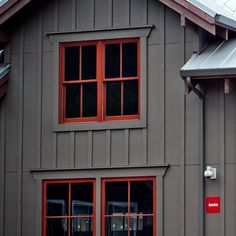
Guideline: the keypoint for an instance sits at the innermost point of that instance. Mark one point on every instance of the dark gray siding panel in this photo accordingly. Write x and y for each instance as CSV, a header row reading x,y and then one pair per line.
x,y
99,148
192,200
138,12
155,120
85,14
212,117
103,14
47,136
64,159
81,149
11,117
121,13
230,203
172,196
28,205
11,207
230,127
174,103
30,111
66,15
136,147
118,157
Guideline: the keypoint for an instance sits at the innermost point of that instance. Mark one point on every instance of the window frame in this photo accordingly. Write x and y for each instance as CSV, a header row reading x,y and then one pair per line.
x,y
69,217
100,80
129,215
141,32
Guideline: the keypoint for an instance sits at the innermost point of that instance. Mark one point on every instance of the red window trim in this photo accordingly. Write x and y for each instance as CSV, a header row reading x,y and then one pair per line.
x,y
127,179
69,217
101,81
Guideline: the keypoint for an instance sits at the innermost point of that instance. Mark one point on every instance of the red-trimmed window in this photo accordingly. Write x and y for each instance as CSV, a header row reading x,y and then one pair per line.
x,y
129,206
99,81
69,208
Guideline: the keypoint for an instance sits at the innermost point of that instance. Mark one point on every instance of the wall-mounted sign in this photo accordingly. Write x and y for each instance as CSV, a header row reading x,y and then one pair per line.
x,y
212,204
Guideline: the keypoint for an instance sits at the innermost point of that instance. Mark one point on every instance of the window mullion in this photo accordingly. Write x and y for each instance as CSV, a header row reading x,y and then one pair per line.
x,y
100,73
128,208
69,209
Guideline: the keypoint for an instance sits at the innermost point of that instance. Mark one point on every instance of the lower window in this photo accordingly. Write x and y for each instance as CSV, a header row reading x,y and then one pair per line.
x,y
128,207
69,208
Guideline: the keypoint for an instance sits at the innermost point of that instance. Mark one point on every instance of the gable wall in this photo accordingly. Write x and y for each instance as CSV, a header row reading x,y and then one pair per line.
x,y
171,136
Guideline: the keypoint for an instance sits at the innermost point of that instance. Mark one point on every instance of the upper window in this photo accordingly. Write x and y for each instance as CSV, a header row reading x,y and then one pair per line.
x,y
69,208
99,81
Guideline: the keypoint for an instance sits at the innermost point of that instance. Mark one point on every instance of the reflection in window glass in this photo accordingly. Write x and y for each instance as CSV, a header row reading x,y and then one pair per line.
x,y
113,98
81,227
57,227
72,63
89,62
89,99
112,61
72,100
129,59
131,97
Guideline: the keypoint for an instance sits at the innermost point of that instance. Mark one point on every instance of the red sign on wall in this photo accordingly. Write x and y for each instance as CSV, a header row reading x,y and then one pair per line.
x,y
212,204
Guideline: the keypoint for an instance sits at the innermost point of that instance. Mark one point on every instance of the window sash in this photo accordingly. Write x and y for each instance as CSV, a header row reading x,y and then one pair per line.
x,y
100,79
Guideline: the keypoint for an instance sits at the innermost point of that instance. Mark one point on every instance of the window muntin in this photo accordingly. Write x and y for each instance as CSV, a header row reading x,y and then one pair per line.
x,y
69,208
100,81
126,210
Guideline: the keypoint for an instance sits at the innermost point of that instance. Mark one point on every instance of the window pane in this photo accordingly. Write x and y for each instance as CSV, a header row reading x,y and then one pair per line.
x,y
143,202
116,226
72,63
129,60
112,60
116,198
113,98
90,100
89,62
72,100
131,97
141,226
57,227
81,227
82,199
57,199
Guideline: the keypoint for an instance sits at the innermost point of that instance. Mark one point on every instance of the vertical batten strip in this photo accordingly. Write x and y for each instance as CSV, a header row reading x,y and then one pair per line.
x,y
93,13
129,12
126,151
145,151
111,13
162,83
72,148
20,133
56,16
182,158
90,148
39,95
54,150
222,161
108,147
2,166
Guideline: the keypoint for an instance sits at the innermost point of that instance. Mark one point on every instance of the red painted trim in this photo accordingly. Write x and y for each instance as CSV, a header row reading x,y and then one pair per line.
x,y
68,216
100,80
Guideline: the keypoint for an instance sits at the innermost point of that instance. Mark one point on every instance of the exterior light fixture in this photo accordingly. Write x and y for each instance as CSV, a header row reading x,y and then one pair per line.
x,y
210,172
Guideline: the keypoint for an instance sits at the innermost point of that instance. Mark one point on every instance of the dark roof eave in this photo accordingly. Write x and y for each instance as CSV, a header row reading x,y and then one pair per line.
x,y
225,22
219,72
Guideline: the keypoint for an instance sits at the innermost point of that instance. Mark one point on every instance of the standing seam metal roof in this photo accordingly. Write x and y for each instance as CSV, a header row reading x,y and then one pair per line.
x,y
219,58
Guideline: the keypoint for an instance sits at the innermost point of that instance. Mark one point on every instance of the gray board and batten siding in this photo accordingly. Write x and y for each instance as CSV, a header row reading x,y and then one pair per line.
x,y
168,139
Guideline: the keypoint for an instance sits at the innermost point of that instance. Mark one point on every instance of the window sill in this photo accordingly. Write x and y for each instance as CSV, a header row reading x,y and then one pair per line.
x,y
99,125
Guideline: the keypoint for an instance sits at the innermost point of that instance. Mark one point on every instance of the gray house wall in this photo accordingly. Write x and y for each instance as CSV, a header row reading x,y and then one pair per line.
x,y
28,140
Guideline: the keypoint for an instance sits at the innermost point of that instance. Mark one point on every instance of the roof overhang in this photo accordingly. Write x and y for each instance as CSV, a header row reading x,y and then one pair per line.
x,y
217,61
4,78
193,16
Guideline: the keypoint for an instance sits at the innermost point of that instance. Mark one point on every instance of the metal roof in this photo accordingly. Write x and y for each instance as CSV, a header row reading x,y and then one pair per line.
x,y
224,11
4,70
219,58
